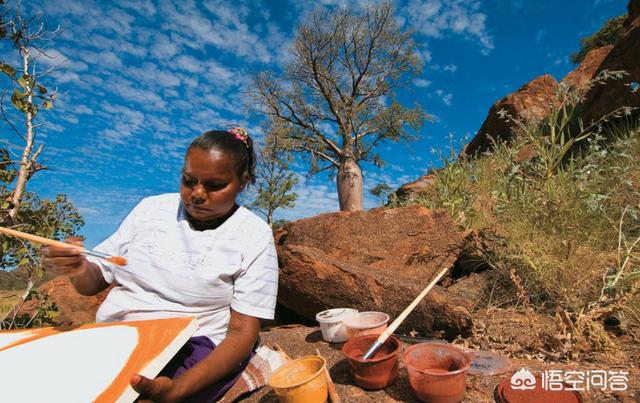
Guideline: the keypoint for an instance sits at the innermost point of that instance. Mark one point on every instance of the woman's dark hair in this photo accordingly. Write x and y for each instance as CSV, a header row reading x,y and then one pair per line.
x,y
234,142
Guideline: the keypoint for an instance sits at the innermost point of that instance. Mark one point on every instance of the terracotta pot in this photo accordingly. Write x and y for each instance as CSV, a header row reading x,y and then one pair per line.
x,y
366,323
301,381
377,372
437,372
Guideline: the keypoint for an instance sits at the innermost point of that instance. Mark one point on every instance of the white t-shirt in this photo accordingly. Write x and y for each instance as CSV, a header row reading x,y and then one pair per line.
x,y
174,270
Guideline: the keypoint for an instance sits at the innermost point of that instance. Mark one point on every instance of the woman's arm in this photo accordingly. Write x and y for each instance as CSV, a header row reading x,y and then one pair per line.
x,y
85,276
241,336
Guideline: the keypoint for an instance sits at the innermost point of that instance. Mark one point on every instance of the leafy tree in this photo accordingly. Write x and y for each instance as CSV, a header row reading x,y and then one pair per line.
x,y
337,95
381,191
611,30
275,181
19,208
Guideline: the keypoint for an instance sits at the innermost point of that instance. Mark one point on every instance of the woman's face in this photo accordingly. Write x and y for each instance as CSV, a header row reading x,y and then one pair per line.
x,y
209,184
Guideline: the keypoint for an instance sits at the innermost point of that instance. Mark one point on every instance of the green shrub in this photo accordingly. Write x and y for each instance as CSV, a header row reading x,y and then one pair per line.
x,y
611,30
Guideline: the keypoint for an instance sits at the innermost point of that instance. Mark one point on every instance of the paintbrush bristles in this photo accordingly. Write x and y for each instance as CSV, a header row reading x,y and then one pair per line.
x,y
118,260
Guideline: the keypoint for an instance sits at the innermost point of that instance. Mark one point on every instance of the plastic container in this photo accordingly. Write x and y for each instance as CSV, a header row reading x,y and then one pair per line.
x,y
486,363
301,381
377,372
437,372
366,323
331,326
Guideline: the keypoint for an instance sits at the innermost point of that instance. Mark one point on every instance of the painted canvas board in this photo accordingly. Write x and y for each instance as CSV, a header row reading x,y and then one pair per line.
x,y
87,363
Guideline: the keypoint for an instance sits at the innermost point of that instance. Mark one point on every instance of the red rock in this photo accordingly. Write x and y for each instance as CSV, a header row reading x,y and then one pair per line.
x,y
526,154
530,103
377,260
73,308
625,55
587,68
418,186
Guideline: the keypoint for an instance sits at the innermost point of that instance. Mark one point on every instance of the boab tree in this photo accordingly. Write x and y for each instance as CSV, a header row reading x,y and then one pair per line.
x,y
338,93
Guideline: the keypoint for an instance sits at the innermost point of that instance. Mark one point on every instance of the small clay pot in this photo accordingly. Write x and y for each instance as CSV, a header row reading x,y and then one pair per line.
x,y
379,371
437,372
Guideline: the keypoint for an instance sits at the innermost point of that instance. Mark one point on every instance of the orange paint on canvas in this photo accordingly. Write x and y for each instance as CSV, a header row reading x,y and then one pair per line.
x,y
153,337
157,341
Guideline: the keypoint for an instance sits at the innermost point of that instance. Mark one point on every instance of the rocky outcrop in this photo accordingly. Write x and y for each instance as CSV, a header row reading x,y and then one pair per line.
x,y
73,308
375,260
529,104
421,185
580,76
625,55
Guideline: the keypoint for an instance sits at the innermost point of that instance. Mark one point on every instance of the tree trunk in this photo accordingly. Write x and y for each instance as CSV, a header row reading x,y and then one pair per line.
x,y
25,161
349,182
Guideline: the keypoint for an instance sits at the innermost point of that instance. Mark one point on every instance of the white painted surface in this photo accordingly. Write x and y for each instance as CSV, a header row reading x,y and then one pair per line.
x,y
70,367
8,338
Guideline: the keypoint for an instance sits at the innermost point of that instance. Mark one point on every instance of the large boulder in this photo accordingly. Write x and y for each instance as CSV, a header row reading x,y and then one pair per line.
x,y
421,185
581,75
375,260
530,103
625,55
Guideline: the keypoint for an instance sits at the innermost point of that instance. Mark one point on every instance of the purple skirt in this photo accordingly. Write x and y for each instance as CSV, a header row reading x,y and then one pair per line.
x,y
194,351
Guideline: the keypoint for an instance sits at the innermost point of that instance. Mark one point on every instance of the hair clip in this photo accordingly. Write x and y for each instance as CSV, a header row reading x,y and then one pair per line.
x,y
241,134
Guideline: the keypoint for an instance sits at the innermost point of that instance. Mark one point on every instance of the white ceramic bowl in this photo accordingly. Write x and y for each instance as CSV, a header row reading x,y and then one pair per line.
x,y
333,331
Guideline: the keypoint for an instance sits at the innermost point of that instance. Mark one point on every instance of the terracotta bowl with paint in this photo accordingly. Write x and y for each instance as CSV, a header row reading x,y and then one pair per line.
x,y
331,326
437,372
366,323
301,381
379,371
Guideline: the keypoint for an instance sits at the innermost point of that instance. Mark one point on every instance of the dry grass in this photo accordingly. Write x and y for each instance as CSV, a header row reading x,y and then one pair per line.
x,y
8,299
563,224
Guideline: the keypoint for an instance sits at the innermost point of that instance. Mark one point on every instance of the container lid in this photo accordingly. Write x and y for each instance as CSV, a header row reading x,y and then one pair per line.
x,y
505,394
488,364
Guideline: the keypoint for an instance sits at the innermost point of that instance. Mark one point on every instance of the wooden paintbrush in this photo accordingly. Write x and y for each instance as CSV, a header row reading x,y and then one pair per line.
x,y
118,260
393,326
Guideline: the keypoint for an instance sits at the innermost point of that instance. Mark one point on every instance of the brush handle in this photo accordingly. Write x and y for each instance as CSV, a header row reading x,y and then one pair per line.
x,y
331,387
394,325
48,242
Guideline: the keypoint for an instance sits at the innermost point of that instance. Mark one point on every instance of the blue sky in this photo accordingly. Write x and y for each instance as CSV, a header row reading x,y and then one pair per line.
x,y
143,77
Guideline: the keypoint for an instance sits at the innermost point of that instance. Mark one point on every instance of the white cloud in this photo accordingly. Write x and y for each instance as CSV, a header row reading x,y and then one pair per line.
x,y
539,36
445,97
421,82
438,18
162,47
144,7
450,68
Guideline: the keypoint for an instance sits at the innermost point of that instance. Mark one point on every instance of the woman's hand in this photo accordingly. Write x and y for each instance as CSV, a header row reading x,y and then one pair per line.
x,y
85,276
61,261
161,389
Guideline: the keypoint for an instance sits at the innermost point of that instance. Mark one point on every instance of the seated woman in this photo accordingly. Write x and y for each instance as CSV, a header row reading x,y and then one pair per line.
x,y
197,253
